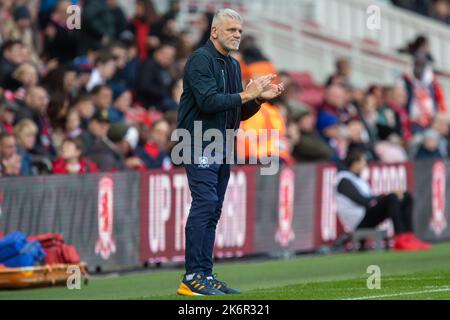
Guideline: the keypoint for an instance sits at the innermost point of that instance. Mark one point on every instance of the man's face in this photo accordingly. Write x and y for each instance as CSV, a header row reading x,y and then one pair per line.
x,y
228,33
165,56
108,69
99,129
8,147
121,57
103,99
15,54
38,100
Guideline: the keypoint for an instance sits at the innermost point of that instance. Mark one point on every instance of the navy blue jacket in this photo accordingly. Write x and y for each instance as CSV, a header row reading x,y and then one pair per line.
x,y
206,96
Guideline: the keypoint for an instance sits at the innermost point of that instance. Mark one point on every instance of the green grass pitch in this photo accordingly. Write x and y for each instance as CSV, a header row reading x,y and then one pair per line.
x,y
418,275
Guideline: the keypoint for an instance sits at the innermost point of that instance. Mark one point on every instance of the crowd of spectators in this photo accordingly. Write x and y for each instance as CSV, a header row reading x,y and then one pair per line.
x,y
435,9
104,98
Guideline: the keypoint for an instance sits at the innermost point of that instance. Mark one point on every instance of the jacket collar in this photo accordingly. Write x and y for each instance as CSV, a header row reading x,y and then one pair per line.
x,y
212,49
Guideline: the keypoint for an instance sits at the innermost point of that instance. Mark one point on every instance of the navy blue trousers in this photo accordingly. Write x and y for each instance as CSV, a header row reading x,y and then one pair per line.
x,y
208,186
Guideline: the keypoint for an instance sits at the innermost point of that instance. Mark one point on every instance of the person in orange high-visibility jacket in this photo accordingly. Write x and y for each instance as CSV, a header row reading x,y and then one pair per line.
x,y
268,118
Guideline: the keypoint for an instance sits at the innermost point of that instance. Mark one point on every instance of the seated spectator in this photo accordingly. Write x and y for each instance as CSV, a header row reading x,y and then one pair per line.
x,y
437,142
96,132
120,53
25,132
12,56
70,160
20,28
154,80
310,147
102,97
104,70
337,104
333,133
395,100
60,43
8,111
22,79
11,163
85,108
123,99
342,74
73,124
359,208
440,11
155,153
425,95
358,138
429,148
119,19
116,151
98,26
35,108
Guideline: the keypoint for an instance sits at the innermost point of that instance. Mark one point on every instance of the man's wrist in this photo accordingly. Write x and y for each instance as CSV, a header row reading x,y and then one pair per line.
x,y
259,101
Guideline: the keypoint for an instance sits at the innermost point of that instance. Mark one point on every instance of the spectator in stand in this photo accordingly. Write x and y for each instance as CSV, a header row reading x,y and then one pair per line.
x,y
116,151
8,111
123,99
425,95
359,208
145,16
154,79
98,26
342,75
399,124
419,6
70,160
25,132
359,139
105,68
85,108
440,11
120,21
22,79
21,29
60,43
155,152
96,132
309,147
429,148
433,142
204,25
11,163
102,97
120,54
35,108
12,56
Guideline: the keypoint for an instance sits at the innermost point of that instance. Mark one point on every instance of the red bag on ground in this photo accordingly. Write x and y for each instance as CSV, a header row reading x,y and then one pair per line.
x,y
49,239
57,252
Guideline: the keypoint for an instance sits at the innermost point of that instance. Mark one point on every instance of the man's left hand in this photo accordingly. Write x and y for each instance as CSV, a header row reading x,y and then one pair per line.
x,y
272,91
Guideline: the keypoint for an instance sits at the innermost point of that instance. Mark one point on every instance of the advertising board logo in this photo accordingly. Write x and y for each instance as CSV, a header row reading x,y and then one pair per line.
x,y
105,245
285,233
438,220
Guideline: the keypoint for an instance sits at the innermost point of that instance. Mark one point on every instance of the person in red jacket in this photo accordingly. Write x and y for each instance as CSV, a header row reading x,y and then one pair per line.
x,y
70,160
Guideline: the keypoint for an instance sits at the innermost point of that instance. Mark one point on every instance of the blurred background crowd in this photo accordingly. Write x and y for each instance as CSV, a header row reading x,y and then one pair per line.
x,y
104,98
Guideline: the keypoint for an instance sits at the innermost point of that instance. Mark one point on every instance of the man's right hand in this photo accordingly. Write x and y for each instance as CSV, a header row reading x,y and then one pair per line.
x,y
256,87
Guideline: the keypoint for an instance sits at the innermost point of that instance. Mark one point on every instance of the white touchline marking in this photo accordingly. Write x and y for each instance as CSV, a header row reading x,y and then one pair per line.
x,y
400,294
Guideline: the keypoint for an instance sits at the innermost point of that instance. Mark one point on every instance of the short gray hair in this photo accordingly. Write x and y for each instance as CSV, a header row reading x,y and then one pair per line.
x,y
225,13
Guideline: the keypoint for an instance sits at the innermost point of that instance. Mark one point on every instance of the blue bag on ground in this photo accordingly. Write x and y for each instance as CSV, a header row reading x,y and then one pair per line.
x,y
31,254
11,245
